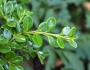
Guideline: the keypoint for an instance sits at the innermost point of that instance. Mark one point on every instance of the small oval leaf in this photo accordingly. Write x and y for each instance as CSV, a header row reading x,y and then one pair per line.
x,y
7,33
72,43
20,11
17,60
20,38
27,23
42,27
51,23
52,41
8,7
72,31
60,42
5,49
66,30
37,39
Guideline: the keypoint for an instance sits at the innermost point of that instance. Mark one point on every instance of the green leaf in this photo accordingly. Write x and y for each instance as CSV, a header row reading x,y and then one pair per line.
x,y
51,23
75,37
72,43
17,60
15,67
18,27
1,13
72,31
31,52
66,30
15,45
1,67
7,33
8,7
3,40
37,39
20,12
10,55
60,42
19,68
41,57
42,27
5,49
27,23
11,24
1,1
20,38
28,13
52,41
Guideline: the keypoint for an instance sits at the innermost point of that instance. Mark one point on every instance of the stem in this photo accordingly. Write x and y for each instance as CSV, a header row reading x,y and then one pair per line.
x,y
48,34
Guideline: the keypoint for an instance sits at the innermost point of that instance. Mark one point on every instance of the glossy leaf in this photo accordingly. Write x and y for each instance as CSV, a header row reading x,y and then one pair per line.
x,y
5,49
8,7
51,23
66,30
52,41
27,23
17,60
37,39
20,11
18,27
20,38
15,67
72,31
42,27
60,42
7,33
73,43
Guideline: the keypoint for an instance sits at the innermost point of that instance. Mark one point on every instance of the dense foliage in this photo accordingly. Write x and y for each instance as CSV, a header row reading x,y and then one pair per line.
x,y
67,13
17,38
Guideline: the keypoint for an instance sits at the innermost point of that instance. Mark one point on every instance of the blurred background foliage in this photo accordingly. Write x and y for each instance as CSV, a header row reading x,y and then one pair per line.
x,y
67,13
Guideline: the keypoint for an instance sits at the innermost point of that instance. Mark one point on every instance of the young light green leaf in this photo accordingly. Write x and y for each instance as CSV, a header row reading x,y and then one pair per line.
x,y
51,23
72,43
1,67
20,38
28,13
5,49
37,39
72,31
27,23
60,42
42,27
52,41
8,7
7,33
66,30
20,11
17,60
75,37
